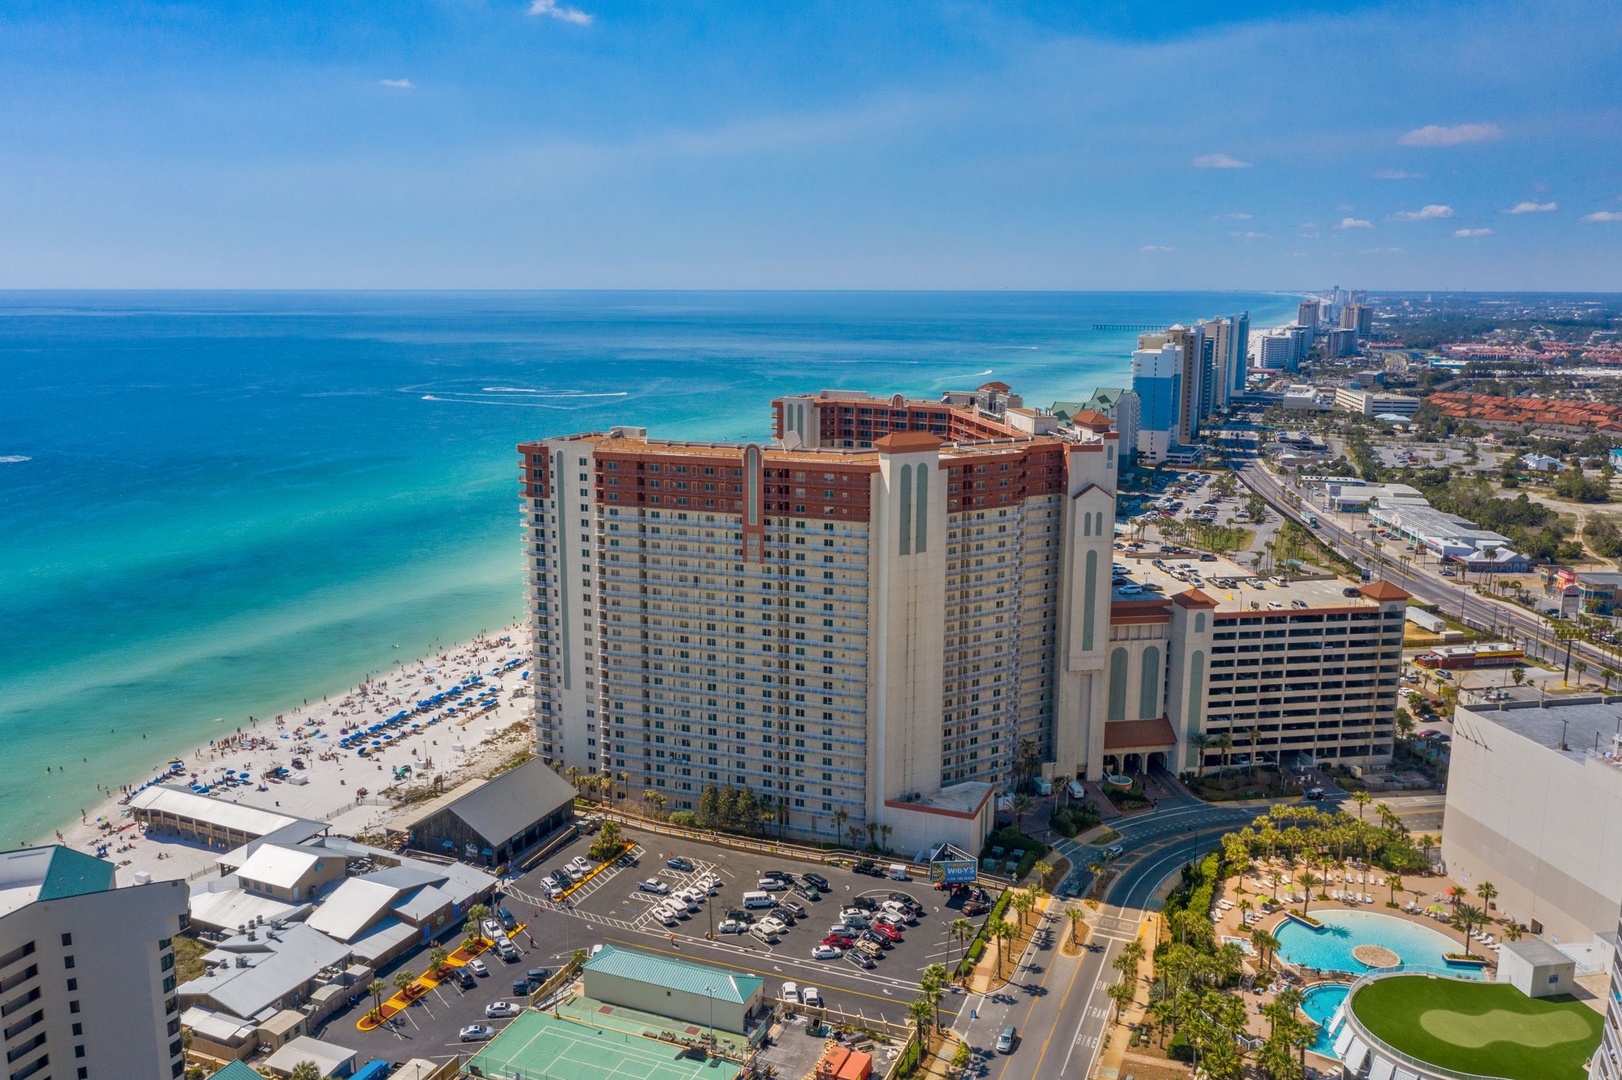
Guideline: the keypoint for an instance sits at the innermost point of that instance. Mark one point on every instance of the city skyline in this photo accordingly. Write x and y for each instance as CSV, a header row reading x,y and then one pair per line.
x,y
553,145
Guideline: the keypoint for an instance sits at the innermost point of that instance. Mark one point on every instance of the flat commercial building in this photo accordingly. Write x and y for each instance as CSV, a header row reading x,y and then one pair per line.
x,y
878,632
1534,805
87,970
680,989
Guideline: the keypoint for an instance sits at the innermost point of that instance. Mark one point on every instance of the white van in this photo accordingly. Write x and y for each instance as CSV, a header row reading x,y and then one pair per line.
x,y
758,900
897,872
1076,790
1044,787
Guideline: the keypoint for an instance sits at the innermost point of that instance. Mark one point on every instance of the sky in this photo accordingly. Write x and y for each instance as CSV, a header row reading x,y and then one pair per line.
x,y
886,144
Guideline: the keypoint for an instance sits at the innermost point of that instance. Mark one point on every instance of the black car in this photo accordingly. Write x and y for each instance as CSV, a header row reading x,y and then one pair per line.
x,y
537,976
739,915
868,867
906,901
778,875
866,903
465,979
819,881
881,940
806,892
506,918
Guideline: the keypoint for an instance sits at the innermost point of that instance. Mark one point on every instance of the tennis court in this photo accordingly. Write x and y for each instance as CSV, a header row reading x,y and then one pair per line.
x,y
539,1046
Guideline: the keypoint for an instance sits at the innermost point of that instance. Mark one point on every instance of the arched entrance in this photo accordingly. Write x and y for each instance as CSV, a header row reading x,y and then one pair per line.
x,y
1112,765
1157,760
1134,764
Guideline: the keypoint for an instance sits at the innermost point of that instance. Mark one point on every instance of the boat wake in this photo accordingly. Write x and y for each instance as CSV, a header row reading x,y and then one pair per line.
x,y
13,459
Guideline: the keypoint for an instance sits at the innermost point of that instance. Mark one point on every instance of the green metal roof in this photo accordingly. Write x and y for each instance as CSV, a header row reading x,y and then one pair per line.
x,y
73,873
238,1070
673,974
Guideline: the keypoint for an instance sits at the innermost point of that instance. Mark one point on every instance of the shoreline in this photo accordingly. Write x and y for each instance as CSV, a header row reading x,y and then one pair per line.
x,y
470,734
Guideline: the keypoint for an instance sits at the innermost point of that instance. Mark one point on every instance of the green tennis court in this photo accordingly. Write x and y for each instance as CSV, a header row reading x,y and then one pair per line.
x,y
539,1046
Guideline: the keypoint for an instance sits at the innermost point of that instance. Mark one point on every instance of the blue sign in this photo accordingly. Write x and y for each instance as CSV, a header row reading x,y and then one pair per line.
x,y
954,872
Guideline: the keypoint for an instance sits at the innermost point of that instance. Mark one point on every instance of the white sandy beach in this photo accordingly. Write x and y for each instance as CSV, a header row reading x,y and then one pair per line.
x,y
337,777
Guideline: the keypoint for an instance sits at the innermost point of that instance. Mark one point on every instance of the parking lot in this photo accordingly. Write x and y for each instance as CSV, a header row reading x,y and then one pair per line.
x,y
611,908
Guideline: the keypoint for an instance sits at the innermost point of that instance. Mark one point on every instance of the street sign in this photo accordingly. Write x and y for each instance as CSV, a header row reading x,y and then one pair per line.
x,y
954,871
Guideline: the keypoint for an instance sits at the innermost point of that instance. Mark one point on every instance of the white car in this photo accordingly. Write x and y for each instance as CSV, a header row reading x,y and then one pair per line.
x,y
790,993
581,864
653,885
826,952
776,926
811,996
663,917
676,911
493,930
477,1032
852,912
497,1010
477,966
730,926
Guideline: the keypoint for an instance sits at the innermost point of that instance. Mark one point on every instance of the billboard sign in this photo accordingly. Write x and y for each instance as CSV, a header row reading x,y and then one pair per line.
x,y
954,871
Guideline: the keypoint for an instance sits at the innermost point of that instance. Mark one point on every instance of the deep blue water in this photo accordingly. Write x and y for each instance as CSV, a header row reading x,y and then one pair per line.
x,y
218,504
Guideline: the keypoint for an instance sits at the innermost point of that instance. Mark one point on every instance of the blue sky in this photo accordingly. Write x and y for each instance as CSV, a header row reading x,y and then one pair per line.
x,y
885,144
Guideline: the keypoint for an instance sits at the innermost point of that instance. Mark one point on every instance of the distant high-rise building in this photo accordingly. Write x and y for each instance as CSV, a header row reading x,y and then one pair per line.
x,y
1227,339
1157,377
1275,350
1358,317
1307,313
87,971
1121,406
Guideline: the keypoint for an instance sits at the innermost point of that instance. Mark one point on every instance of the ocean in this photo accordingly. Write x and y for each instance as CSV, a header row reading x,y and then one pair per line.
x,y
216,505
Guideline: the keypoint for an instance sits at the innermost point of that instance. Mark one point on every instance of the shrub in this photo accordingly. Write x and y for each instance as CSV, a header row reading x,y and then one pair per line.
x,y
687,819
1068,821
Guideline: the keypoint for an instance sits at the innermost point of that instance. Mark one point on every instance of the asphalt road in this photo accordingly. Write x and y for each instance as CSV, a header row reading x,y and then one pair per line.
x,y
1455,600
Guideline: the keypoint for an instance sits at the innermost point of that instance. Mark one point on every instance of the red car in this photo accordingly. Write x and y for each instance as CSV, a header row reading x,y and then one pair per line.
x,y
888,931
838,941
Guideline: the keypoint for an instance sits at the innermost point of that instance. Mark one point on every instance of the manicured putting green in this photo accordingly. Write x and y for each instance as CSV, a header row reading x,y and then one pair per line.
x,y
1487,1028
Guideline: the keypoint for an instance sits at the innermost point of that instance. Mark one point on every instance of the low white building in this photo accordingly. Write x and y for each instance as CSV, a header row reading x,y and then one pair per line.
x,y
1536,968
1540,462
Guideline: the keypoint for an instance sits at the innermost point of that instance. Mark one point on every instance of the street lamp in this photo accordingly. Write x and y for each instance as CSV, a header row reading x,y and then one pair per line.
x,y
710,991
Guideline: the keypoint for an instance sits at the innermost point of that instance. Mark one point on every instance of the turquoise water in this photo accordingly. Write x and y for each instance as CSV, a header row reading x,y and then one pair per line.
x,y
1318,1004
1330,949
213,505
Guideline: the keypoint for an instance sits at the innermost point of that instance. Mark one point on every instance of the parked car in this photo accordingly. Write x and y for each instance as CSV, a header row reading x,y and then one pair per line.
x,y
678,863
771,884
881,941
500,1009
778,875
1006,1040
730,926
866,903
790,993
861,960
811,996
537,976
826,952
653,885
477,1032
842,941
868,867
819,881
792,908
507,919
478,967
464,978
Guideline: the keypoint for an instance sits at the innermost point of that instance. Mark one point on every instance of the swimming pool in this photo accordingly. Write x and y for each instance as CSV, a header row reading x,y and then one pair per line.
x,y
1330,949
1318,1004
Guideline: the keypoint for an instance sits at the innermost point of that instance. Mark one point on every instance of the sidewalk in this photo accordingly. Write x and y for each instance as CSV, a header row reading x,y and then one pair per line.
x,y
984,979
1112,1057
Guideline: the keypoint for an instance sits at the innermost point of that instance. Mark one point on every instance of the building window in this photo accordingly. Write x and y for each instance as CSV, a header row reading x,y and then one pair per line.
x,y
1117,685
1089,601
906,509
1149,692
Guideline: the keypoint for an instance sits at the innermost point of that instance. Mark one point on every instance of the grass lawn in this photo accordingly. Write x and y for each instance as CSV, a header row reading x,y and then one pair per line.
x,y
1487,1028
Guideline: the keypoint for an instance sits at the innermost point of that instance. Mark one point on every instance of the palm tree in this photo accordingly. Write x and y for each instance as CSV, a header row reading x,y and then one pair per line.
x,y
436,959
1580,666
1200,742
573,773
1043,870
1464,918
1488,893
1135,951
1023,902
1362,799
885,831
376,990
962,930
1518,675
853,833
1513,931
1022,804
1607,674
1308,880
872,831
1077,917
1002,930
838,819
1265,945
305,1070
1393,882
403,980
1121,995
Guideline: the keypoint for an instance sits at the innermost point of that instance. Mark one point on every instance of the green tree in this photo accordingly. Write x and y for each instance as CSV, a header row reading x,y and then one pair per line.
x,y
1022,804
1488,893
608,842
1078,918
1309,880
436,958
376,989
1121,995
1465,918
962,931
1362,799
403,980
1001,930
305,1070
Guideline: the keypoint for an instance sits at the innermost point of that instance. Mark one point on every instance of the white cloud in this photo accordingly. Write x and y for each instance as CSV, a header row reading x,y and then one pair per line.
x,y
1436,135
1219,161
1398,174
561,12
1354,223
1237,215
1432,212
1381,251
397,84
1472,232
1527,206
1248,236
1156,247
1603,215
